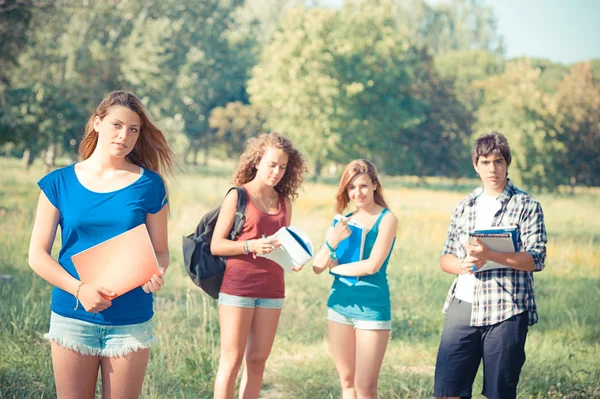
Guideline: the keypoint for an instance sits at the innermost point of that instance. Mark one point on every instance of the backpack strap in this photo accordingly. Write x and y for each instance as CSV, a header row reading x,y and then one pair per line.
x,y
240,213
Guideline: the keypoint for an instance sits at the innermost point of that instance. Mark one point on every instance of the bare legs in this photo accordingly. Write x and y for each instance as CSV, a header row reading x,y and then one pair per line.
x,y
76,374
358,379
249,331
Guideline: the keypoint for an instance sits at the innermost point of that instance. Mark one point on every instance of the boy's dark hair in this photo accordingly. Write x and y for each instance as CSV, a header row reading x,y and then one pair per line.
x,y
491,143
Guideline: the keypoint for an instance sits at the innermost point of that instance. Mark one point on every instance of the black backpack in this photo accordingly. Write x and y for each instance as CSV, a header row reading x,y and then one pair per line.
x,y
205,269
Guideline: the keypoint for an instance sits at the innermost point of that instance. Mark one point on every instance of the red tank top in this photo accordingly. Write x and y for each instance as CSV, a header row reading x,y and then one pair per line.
x,y
260,277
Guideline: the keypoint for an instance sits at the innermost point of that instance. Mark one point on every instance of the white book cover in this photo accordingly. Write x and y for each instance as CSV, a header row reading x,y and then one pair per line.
x,y
296,248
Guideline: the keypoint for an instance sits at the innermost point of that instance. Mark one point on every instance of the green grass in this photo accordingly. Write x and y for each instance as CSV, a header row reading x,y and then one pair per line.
x,y
562,349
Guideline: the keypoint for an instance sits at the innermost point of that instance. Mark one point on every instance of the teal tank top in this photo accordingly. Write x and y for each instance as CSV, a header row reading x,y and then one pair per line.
x,y
369,299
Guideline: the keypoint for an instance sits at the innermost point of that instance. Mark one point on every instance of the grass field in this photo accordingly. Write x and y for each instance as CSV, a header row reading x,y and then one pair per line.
x,y
563,349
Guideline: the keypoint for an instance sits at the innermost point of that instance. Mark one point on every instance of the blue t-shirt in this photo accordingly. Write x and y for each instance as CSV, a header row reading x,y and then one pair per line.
x,y
88,218
369,298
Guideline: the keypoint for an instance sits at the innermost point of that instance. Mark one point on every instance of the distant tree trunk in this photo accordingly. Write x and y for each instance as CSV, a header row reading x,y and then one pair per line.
x,y
27,159
186,155
195,157
318,168
206,147
573,182
49,158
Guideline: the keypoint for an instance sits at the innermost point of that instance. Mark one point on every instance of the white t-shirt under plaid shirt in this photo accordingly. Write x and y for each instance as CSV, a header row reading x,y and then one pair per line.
x,y
500,294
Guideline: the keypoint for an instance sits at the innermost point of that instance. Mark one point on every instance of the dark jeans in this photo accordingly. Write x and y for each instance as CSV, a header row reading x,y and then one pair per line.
x,y
501,346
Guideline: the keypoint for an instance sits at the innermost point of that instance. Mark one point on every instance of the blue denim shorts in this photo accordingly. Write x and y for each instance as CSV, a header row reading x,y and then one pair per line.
x,y
334,316
97,339
248,302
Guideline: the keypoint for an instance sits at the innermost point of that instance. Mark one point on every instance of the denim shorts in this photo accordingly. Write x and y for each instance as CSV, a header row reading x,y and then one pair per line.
x,y
334,316
248,302
97,339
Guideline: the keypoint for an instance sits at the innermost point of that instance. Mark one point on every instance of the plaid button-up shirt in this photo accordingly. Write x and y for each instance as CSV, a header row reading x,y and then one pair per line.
x,y
500,294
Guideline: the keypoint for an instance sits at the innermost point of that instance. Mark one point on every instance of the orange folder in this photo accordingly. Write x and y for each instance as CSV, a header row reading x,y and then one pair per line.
x,y
119,264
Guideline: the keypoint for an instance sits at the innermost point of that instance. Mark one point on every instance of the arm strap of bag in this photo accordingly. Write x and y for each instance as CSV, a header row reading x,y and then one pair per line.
x,y
240,213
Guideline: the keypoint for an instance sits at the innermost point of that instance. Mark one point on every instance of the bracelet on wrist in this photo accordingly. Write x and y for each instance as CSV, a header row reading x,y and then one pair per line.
x,y
332,253
331,249
77,295
246,248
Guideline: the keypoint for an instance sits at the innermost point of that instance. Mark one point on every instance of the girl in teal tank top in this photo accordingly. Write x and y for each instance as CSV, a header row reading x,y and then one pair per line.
x,y
359,311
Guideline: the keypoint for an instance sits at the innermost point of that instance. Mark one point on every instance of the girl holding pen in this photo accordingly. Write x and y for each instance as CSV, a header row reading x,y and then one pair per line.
x,y
359,315
251,297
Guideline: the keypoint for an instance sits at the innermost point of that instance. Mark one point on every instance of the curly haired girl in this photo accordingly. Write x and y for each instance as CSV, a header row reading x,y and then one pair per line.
x,y
270,172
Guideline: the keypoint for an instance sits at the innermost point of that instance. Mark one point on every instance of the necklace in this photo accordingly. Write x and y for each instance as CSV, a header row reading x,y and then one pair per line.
x,y
267,208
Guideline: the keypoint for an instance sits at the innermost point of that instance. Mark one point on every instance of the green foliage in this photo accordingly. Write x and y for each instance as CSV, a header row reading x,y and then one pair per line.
x,y
15,18
234,124
197,66
402,82
462,68
577,119
516,107
455,25
346,84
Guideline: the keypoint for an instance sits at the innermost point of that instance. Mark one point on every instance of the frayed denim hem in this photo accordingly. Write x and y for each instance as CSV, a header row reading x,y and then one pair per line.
x,y
89,351
73,345
127,349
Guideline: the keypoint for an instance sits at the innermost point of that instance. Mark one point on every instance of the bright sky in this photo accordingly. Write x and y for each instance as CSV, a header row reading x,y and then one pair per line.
x,y
565,31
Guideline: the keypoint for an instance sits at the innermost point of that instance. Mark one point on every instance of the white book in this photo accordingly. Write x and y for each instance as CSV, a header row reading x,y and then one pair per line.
x,y
296,248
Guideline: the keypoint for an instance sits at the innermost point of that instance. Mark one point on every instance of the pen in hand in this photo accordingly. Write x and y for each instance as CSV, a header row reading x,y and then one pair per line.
x,y
271,245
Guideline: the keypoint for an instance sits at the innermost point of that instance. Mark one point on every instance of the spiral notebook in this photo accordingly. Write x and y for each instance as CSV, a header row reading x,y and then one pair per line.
x,y
499,239
119,264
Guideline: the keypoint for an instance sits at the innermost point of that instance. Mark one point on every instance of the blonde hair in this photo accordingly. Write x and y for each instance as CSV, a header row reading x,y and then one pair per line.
x,y
256,148
354,168
151,151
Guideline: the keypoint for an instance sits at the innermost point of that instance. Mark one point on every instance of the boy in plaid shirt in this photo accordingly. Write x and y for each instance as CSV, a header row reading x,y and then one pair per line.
x,y
488,312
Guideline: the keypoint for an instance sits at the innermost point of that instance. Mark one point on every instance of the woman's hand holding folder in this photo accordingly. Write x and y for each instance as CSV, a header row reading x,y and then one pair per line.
x,y
94,299
155,283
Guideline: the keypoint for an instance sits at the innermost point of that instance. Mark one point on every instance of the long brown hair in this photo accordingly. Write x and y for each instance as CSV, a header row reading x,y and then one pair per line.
x,y
255,149
358,167
151,149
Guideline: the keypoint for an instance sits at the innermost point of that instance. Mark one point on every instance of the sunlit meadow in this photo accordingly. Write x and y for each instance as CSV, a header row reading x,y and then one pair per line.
x,y
563,349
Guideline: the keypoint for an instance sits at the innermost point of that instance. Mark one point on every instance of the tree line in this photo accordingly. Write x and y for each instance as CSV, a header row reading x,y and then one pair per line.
x,y
401,82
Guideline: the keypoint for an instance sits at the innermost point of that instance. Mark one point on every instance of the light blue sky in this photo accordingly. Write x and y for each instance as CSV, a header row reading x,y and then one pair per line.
x,y
565,31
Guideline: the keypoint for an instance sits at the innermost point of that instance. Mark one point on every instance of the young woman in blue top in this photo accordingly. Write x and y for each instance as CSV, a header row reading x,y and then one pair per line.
x,y
114,188
359,315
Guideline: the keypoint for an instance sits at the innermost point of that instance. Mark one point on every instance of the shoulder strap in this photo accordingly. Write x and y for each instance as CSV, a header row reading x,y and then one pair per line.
x,y
241,200
381,215
240,213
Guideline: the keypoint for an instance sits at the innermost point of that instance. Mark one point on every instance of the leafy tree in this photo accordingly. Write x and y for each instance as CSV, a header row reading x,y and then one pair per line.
x,y
515,106
346,83
234,124
462,68
456,25
15,18
551,73
197,61
577,110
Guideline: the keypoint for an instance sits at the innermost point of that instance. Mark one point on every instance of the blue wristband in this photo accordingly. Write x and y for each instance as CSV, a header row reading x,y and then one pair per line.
x,y
331,249
332,253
